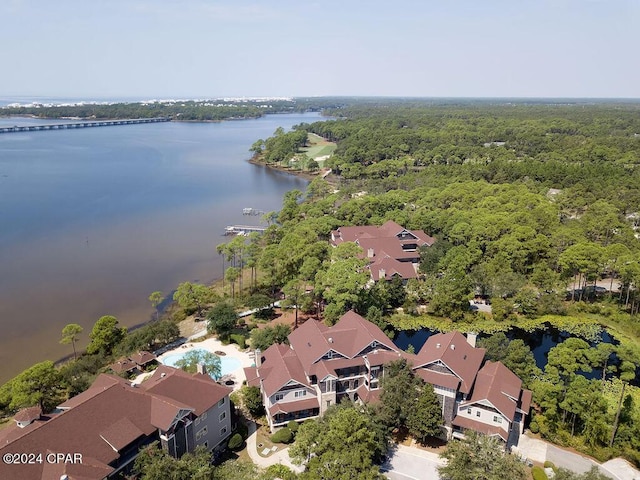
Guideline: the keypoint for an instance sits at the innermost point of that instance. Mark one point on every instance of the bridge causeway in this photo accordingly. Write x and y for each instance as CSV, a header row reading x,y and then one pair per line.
x,y
98,123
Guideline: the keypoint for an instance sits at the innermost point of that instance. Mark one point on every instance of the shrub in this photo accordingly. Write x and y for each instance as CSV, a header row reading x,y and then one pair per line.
x,y
533,426
239,339
280,471
293,426
538,473
283,435
235,442
549,464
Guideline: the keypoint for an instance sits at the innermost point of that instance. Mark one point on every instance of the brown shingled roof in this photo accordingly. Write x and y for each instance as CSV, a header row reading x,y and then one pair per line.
x,y
289,407
121,433
77,430
28,415
453,351
349,336
197,391
281,365
391,267
108,417
471,424
499,386
440,379
383,247
123,365
143,357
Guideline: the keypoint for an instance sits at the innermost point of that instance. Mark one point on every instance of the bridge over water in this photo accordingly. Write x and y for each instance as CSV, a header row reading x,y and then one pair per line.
x,y
66,126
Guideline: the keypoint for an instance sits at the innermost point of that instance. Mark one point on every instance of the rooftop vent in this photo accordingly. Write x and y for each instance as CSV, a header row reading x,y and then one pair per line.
x,y
163,374
453,347
330,339
437,345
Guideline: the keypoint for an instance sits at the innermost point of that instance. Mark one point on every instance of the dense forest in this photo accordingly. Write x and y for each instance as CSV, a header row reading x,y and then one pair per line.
x,y
532,206
535,206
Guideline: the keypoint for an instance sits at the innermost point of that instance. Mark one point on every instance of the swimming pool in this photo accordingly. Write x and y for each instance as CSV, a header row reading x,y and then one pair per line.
x,y
227,364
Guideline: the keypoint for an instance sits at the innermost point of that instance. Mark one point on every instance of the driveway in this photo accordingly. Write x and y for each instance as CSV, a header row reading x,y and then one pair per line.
x,y
410,463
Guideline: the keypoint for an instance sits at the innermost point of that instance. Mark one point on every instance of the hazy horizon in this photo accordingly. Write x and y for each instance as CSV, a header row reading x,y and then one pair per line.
x,y
549,49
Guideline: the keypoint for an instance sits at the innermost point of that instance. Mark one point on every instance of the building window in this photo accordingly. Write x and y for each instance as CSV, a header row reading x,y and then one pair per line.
x,y
223,415
300,393
279,396
221,402
478,413
201,433
206,444
203,416
497,419
469,410
374,344
197,421
223,430
356,382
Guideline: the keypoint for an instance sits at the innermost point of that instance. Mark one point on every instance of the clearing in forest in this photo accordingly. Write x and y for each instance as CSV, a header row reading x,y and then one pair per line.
x,y
318,147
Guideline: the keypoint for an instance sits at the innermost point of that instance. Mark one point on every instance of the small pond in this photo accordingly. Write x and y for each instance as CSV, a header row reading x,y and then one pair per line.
x,y
539,341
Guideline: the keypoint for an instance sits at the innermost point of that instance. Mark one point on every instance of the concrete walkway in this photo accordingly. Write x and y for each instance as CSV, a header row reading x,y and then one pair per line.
x,y
541,451
281,456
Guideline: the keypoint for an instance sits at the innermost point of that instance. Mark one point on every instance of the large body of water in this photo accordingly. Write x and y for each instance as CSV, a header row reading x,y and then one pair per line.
x,y
94,220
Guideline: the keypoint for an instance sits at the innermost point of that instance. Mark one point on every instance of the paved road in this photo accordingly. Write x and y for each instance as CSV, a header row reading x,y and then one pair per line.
x,y
539,451
408,463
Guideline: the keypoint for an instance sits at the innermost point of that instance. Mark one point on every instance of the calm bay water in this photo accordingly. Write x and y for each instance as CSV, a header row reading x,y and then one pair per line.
x,y
93,220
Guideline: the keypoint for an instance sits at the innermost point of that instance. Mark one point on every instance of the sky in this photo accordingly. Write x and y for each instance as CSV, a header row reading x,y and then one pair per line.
x,y
213,48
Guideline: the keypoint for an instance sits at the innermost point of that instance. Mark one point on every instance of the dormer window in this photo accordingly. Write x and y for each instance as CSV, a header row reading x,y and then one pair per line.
x,y
374,344
330,354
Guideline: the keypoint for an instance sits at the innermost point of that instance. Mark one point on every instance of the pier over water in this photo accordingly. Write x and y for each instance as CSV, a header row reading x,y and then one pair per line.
x,y
98,123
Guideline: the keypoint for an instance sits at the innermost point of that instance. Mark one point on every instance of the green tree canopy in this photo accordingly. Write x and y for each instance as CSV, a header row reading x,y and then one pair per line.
x,y
479,457
105,335
222,319
38,385
190,360
341,445
156,299
193,296
70,334
153,463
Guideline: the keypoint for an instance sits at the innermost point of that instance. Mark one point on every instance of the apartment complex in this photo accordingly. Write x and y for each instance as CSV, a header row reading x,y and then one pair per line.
x,y
106,426
392,250
323,365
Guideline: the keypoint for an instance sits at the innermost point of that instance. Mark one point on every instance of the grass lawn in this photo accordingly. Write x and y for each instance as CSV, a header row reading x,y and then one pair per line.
x,y
318,146
263,439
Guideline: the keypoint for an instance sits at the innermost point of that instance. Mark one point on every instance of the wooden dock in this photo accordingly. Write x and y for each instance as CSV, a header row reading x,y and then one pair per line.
x,y
243,229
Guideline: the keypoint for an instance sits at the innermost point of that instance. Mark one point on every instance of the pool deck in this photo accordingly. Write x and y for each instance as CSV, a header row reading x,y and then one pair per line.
x,y
212,345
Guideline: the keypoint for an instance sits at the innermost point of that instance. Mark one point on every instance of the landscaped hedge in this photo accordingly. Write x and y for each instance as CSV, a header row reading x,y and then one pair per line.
x,y
283,435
